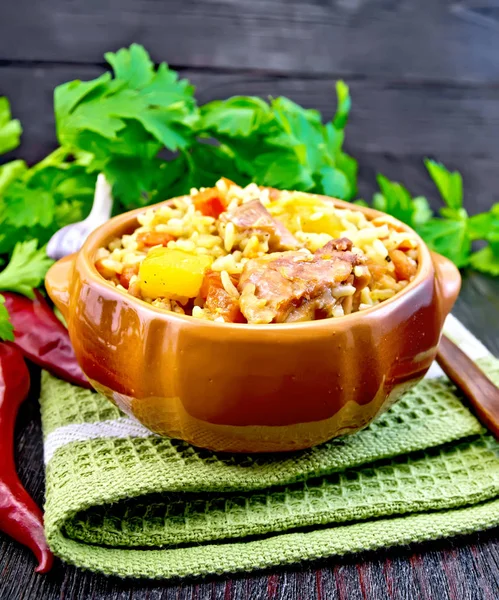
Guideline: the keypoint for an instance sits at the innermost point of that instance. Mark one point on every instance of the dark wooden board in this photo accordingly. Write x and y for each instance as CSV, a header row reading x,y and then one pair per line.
x,y
458,569
393,124
385,38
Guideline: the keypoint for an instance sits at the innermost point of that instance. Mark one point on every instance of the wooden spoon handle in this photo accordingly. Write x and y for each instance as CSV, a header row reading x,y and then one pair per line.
x,y
482,394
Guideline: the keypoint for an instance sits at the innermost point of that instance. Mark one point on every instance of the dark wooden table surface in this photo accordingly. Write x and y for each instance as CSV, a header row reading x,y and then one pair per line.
x,y
424,77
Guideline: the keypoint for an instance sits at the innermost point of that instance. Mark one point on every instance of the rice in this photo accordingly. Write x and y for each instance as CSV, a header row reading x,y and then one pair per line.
x,y
385,256
229,237
229,287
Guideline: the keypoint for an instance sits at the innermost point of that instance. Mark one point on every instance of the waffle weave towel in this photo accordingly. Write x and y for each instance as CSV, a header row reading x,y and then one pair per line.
x,y
123,501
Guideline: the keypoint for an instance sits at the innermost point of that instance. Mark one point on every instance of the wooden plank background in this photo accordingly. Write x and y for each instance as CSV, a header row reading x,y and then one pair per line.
x,y
424,75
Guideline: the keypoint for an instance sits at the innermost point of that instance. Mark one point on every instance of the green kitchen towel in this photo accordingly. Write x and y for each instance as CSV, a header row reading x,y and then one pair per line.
x,y
123,501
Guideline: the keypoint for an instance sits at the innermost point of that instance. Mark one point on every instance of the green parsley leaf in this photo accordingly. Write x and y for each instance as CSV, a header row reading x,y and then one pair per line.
x,y
29,207
6,329
237,116
449,184
135,180
10,129
349,166
333,139
487,259
448,237
11,171
484,225
155,100
421,212
26,269
207,163
396,200
67,96
344,105
334,182
133,66
35,202
121,124
282,170
300,131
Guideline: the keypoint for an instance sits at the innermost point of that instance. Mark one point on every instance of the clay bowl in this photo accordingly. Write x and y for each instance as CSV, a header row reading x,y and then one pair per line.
x,y
250,388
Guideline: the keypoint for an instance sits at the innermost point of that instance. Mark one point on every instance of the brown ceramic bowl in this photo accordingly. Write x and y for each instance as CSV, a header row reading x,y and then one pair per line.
x,y
250,388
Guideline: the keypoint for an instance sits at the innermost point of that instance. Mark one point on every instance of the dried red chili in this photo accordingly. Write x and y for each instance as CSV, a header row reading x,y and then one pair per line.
x,y
42,338
20,517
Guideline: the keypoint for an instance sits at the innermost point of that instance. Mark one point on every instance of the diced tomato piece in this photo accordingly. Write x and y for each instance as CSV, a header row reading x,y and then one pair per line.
x,y
218,300
222,303
128,272
149,239
209,203
212,280
404,268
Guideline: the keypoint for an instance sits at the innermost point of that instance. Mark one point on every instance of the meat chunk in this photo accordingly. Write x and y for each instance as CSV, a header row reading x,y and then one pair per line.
x,y
253,217
293,286
341,249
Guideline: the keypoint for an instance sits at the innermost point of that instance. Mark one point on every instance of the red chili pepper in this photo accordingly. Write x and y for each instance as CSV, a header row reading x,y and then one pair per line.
x,y
42,338
20,517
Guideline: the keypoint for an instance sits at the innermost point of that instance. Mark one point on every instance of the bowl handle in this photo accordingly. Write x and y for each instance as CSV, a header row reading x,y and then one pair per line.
x,y
58,281
448,281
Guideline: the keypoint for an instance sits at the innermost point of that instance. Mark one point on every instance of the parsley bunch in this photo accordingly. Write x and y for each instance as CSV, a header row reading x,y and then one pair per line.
x,y
453,232
122,124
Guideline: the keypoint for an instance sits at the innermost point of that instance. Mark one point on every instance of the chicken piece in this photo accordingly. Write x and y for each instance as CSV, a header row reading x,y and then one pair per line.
x,y
254,218
293,286
341,248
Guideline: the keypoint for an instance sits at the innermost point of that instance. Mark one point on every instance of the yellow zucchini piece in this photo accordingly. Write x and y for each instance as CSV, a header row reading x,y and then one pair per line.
x,y
172,272
327,223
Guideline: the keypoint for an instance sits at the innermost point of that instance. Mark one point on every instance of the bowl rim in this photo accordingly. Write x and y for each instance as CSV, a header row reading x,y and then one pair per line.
x,y
120,222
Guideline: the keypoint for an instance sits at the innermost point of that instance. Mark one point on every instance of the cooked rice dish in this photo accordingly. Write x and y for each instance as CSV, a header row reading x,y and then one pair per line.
x,y
259,255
